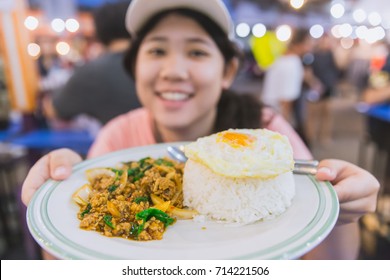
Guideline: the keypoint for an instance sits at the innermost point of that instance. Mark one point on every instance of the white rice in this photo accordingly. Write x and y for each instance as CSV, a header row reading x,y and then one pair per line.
x,y
235,200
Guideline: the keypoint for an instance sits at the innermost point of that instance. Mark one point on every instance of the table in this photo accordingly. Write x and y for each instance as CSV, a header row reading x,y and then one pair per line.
x,y
379,111
46,140
12,130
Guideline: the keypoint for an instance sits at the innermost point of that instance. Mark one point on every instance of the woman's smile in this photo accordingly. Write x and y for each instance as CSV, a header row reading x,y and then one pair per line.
x,y
174,96
174,100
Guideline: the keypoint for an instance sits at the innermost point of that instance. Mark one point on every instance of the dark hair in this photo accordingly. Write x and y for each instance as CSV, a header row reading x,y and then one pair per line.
x,y
109,21
234,110
238,111
299,36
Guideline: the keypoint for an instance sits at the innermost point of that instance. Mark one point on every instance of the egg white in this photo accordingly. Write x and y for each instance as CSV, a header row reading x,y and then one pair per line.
x,y
266,155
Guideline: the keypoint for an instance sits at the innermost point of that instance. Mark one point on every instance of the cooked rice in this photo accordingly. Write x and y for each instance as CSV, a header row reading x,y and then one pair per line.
x,y
236,200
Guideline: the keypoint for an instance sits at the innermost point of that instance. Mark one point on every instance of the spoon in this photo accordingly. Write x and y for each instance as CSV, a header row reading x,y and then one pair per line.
x,y
301,166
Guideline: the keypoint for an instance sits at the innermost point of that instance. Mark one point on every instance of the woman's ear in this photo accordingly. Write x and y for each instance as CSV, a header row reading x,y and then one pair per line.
x,y
230,73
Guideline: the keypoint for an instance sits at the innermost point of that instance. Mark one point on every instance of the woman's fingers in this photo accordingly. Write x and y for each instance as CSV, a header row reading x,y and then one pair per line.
x,y
356,188
61,162
325,173
56,165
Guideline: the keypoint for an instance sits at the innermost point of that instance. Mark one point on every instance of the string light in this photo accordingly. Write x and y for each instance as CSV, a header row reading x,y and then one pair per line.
x,y
374,18
243,29
359,15
297,4
62,48
72,25
58,25
283,33
259,30
33,49
31,23
316,31
337,10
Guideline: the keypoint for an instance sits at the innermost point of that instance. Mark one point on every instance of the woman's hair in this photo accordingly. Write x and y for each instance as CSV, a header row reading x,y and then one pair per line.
x,y
234,110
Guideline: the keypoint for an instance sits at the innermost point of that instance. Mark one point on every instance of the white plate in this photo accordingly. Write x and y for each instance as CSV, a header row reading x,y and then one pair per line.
x,y
52,220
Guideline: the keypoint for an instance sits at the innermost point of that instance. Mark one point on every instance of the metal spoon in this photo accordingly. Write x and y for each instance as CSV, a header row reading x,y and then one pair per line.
x,y
301,166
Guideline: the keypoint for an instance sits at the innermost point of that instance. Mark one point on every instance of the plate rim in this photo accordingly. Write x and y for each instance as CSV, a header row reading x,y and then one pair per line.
x,y
50,185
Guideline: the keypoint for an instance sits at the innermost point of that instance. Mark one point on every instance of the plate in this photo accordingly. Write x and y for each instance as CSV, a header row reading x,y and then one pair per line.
x,y
52,220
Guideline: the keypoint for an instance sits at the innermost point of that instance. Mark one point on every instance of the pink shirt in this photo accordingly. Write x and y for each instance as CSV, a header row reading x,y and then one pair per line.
x,y
135,129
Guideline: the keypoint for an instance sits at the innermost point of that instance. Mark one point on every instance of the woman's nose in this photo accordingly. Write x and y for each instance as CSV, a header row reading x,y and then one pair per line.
x,y
175,68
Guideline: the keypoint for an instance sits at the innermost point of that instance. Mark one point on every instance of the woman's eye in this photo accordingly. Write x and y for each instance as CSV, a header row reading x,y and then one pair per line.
x,y
198,53
157,52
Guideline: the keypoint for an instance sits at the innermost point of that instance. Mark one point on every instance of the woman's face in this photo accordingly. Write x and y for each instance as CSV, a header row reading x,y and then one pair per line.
x,y
180,74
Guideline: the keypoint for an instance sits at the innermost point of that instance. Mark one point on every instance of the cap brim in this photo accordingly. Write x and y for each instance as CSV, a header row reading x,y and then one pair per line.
x,y
140,11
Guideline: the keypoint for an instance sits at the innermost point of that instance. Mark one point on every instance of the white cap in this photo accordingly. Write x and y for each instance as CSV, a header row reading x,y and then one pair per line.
x,y
140,11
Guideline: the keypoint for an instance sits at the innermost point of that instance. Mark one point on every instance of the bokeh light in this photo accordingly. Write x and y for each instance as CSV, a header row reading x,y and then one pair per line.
x,y
58,25
62,48
316,31
258,30
72,25
359,15
243,30
31,23
337,10
283,33
297,4
33,49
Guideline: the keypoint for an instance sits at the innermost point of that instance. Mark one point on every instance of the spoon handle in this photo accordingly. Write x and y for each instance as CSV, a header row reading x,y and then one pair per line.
x,y
307,162
176,154
304,169
301,166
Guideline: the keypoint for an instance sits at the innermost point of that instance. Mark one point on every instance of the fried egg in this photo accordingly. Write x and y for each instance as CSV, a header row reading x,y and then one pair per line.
x,y
243,153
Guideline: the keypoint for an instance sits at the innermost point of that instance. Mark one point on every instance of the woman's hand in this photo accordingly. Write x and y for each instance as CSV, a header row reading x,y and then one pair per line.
x,y
356,188
56,165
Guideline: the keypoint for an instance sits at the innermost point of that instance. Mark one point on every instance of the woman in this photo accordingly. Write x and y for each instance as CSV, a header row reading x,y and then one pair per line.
x,y
183,62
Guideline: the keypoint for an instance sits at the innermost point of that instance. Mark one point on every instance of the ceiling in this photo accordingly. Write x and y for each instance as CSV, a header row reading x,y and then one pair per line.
x,y
275,12
270,12
81,4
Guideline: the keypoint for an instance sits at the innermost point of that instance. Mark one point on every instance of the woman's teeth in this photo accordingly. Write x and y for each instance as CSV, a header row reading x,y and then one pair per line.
x,y
174,96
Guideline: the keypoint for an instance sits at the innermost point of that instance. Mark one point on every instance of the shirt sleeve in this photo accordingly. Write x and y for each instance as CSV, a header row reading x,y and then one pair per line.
x,y
111,137
132,129
279,124
103,143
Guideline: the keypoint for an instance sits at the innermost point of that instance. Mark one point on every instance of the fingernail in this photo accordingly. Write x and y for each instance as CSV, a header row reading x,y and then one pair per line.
x,y
325,170
60,171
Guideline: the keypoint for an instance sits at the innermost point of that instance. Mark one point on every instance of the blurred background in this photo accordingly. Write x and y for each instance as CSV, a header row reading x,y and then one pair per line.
x,y
344,115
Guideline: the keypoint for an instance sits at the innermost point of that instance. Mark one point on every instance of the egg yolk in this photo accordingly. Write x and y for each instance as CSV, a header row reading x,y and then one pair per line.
x,y
236,140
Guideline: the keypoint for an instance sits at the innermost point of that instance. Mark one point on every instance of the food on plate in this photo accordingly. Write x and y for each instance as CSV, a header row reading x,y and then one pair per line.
x,y
239,175
236,176
137,200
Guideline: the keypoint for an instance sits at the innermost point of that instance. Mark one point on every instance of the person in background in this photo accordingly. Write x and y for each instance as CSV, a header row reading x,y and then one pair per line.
x,y
100,89
324,68
184,60
378,93
283,80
